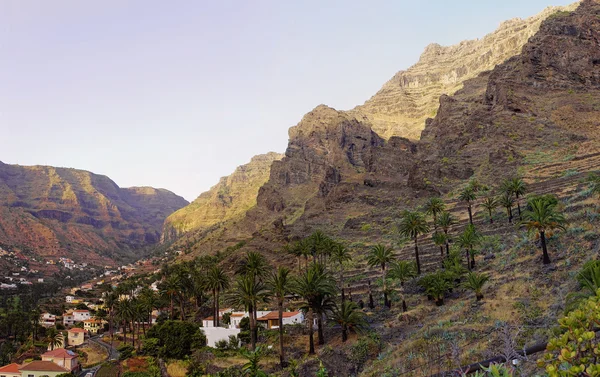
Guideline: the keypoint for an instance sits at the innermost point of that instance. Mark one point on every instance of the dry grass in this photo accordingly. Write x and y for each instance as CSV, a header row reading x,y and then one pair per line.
x,y
95,355
177,368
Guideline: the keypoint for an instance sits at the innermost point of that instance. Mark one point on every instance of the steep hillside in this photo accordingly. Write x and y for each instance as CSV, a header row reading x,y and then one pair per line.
x,y
228,199
51,212
340,176
403,103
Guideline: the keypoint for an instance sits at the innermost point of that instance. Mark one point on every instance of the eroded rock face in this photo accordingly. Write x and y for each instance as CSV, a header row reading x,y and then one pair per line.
x,y
403,104
227,200
68,212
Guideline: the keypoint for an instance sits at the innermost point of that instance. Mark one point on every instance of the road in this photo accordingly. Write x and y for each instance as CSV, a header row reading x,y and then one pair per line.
x,y
113,355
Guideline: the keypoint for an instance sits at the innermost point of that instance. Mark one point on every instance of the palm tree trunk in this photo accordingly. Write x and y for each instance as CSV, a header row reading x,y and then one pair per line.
x,y
255,321
281,354
417,257
252,326
468,263
311,340
519,208
404,306
342,282
472,258
371,303
124,332
491,218
344,333
320,329
544,247
181,308
470,214
217,306
215,314
442,250
447,243
385,296
172,309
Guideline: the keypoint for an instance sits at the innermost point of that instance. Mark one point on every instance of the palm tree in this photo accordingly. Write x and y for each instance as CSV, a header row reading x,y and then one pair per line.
x,y
589,276
543,217
468,196
507,201
381,256
171,288
445,221
110,301
436,285
279,286
468,240
516,187
247,292
256,266
412,225
434,207
475,282
349,317
340,254
125,313
440,239
294,251
403,271
311,286
217,281
54,338
490,203
594,181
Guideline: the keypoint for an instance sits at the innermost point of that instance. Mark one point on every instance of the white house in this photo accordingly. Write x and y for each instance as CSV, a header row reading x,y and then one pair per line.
x,y
68,319
289,318
47,320
81,315
69,299
215,334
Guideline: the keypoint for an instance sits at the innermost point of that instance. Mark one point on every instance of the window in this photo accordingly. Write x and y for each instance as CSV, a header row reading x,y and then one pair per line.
x,y
30,375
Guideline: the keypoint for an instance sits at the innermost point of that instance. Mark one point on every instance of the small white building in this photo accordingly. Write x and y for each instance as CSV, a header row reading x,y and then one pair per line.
x,y
47,320
69,299
215,334
8,286
68,319
81,315
271,320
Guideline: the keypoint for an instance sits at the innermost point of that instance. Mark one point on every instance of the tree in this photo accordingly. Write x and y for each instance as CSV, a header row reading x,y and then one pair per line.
x,y
440,239
255,266
311,286
475,282
279,286
247,292
340,254
381,256
515,186
467,241
434,207
349,317
54,338
490,203
507,201
126,314
436,285
445,221
594,182
176,339
542,216
294,251
468,196
217,281
412,225
171,288
403,271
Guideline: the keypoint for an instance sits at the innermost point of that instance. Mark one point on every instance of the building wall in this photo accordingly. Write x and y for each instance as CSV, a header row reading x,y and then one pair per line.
x,y
76,338
215,334
25,373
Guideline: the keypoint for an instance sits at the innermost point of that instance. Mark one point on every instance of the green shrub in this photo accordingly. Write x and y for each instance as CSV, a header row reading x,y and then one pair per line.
x,y
177,339
126,351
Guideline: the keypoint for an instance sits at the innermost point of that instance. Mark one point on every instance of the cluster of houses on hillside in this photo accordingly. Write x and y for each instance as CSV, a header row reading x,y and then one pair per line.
x,y
269,319
52,364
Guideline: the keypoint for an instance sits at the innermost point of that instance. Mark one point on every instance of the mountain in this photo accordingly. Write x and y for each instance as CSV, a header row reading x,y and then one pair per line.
x,y
54,212
404,102
227,200
339,175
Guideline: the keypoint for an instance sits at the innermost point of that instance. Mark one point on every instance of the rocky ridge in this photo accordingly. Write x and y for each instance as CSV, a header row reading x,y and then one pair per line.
x,y
402,105
50,212
228,199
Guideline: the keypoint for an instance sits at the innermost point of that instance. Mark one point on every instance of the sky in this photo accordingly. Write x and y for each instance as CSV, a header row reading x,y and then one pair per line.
x,y
175,94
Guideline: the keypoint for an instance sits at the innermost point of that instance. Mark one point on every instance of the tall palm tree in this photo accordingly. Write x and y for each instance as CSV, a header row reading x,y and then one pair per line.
x,y
445,221
294,251
54,338
217,281
279,286
490,203
256,266
475,282
412,225
349,317
403,271
434,207
381,256
467,241
516,187
440,239
311,286
170,288
126,314
507,200
468,196
340,255
247,292
541,217
317,241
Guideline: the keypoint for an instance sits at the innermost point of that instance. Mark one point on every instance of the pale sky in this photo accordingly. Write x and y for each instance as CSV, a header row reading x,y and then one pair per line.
x,y
175,94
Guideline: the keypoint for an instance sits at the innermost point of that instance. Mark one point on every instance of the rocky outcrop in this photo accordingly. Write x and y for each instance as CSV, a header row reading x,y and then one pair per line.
x,y
403,104
229,199
53,212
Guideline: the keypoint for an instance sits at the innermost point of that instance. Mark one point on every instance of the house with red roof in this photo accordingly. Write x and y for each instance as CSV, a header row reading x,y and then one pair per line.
x,y
289,318
40,368
76,336
10,370
63,358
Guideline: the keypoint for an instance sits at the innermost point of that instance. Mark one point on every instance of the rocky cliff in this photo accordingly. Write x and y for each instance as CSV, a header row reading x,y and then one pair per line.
x,y
229,199
404,102
52,212
539,107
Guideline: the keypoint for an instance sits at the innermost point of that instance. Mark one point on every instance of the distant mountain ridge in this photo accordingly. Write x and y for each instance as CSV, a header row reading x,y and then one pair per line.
x,y
51,212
